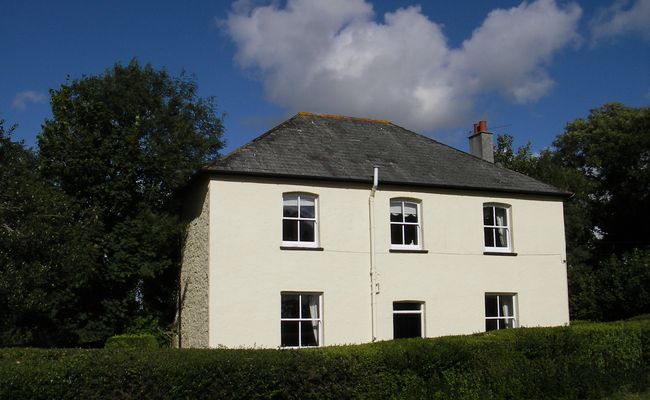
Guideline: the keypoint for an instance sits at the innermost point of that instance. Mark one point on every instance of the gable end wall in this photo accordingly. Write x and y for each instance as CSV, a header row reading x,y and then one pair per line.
x,y
194,271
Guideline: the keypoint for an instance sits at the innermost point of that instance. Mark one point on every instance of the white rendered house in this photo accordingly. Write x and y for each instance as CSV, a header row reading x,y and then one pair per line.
x,y
333,230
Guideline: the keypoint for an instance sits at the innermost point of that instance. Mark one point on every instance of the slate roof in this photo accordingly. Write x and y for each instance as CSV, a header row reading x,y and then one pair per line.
x,y
333,147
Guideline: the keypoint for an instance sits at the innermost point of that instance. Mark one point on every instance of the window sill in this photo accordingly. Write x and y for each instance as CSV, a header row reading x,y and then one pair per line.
x,y
408,251
301,248
499,253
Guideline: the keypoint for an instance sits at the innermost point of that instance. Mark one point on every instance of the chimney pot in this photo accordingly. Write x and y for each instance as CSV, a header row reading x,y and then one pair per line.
x,y
482,126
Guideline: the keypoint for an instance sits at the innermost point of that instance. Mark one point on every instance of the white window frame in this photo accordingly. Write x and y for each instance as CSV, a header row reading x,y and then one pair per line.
x,y
513,317
300,243
419,312
494,227
300,319
418,224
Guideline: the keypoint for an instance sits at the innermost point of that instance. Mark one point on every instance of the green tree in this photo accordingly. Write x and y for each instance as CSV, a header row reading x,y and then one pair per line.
x,y
604,161
624,285
121,145
522,160
43,254
611,149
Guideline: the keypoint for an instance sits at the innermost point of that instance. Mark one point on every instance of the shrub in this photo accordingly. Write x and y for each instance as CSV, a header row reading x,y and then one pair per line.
x,y
132,341
586,361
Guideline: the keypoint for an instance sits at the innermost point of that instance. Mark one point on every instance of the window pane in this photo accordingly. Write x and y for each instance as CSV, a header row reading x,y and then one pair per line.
x,y
411,234
290,230
306,231
309,333
402,306
290,306
396,234
407,326
289,333
309,306
396,212
491,309
509,323
307,207
501,237
410,212
290,206
490,324
501,216
506,305
488,216
489,237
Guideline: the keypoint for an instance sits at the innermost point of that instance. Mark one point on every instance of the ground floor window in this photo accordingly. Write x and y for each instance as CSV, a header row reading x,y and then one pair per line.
x,y
500,311
407,319
300,319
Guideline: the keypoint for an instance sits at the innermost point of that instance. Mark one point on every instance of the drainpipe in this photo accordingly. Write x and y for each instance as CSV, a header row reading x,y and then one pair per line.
x,y
374,285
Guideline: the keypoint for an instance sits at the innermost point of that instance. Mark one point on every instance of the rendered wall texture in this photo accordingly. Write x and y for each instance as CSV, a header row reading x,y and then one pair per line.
x,y
248,271
194,291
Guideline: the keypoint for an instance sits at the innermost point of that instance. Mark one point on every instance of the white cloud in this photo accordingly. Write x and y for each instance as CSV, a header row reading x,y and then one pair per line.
x,y
29,96
617,20
332,56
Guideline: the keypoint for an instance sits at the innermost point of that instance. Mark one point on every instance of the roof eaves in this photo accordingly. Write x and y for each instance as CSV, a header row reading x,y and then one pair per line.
x,y
368,179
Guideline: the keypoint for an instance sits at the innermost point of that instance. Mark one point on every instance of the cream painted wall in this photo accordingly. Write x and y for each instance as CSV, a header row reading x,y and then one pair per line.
x,y
248,271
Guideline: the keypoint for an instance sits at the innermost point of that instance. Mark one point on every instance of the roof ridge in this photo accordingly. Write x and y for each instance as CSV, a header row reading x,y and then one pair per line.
x,y
337,116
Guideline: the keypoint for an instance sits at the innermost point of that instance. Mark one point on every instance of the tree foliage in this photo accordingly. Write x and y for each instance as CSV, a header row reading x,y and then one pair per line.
x,y
521,160
604,161
43,252
91,224
611,149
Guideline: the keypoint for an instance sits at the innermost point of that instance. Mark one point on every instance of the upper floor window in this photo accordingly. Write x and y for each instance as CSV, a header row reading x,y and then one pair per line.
x,y
404,224
299,221
496,228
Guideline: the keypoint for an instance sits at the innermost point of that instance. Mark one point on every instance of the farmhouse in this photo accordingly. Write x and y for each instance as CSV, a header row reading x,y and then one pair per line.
x,y
332,230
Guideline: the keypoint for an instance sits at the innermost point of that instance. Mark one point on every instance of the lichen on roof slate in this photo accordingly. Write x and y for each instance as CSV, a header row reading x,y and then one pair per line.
x,y
343,148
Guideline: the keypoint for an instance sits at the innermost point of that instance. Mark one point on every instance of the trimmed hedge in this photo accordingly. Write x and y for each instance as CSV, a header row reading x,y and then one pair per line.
x,y
134,341
585,361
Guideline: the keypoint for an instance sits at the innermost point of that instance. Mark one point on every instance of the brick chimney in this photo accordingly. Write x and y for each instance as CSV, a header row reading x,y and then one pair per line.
x,y
480,143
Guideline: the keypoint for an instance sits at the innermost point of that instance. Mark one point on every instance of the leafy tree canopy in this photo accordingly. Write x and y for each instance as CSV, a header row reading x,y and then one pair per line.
x,y
121,145
611,149
604,160
128,138
521,160
42,245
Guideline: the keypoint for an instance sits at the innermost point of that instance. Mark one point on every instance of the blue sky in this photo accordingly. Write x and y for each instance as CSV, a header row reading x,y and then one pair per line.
x,y
433,67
